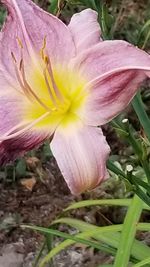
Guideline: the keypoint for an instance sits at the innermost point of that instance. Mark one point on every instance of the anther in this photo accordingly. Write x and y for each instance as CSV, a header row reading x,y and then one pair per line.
x,y
20,42
13,57
20,65
43,47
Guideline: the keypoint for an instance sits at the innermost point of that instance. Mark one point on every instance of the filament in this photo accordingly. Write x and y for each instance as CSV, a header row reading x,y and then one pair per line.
x,y
48,87
8,135
27,86
47,62
49,69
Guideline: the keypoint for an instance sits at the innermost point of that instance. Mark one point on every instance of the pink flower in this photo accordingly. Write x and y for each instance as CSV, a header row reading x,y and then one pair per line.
x,y
58,82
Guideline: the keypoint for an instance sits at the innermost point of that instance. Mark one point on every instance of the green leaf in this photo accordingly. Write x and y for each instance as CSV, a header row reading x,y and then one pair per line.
x,y
106,21
98,4
64,235
21,168
108,202
80,238
142,263
121,132
144,35
108,235
143,226
138,106
46,152
53,7
89,3
125,246
92,232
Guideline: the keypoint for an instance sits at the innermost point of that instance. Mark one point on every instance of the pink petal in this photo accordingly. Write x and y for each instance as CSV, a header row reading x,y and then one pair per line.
x,y
109,96
15,147
81,157
11,111
19,132
110,57
85,29
115,70
31,25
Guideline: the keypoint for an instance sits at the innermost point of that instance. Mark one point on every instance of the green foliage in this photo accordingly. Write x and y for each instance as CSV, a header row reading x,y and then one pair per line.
x,y
109,237
21,168
2,16
144,35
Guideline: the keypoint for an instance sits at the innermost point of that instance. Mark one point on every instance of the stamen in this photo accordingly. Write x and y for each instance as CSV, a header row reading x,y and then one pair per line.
x,y
17,73
24,85
20,81
21,68
49,89
46,59
16,128
28,127
29,89
49,68
43,48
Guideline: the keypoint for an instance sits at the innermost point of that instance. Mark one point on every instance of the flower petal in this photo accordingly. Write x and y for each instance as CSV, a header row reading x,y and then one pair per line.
x,y
109,96
11,111
29,25
17,146
81,157
20,132
85,29
109,57
115,70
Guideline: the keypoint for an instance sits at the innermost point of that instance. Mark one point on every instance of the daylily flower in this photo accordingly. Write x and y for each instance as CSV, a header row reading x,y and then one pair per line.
x,y
60,82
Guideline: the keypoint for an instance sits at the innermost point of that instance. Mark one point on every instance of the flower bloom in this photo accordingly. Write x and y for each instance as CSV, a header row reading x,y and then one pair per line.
x,y
59,82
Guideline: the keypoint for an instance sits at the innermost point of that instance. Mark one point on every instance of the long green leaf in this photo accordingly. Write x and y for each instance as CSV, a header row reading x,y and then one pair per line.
x,y
108,202
128,232
139,250
144,29
53,6
80,238
92,233
142,263
138,106
64,235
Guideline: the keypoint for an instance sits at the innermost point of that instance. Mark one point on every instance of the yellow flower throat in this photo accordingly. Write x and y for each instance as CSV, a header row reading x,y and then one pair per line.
x,y
53,94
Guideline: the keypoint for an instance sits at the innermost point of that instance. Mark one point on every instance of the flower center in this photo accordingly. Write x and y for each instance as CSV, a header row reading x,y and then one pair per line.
x,y
49,95
52,90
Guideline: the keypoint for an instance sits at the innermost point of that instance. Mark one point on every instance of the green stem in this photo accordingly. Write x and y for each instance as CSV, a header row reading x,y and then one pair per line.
x,y
135,181
139,152
137,147
35,263
146,169
112,167
49,242
134,143
146,40
142,195
141,113
128,232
